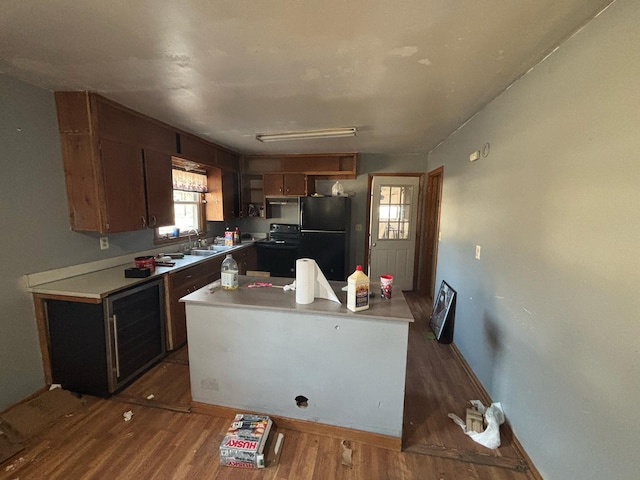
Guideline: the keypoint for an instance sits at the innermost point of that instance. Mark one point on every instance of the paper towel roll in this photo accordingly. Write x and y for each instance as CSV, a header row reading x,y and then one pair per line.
x,y
305,280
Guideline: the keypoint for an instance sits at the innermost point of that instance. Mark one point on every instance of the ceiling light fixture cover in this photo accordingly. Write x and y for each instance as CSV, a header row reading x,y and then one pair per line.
x,y
307,134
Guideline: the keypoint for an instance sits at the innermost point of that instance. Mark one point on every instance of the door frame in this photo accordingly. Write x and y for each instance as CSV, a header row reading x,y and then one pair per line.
x,y
419,220
432,207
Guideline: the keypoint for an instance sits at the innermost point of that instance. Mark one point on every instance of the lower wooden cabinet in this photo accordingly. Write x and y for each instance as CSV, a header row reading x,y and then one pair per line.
x,y
182,283
99,348
247,259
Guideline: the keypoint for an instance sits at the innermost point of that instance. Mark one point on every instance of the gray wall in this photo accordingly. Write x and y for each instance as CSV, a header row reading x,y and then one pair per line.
x,y
548,318
36,235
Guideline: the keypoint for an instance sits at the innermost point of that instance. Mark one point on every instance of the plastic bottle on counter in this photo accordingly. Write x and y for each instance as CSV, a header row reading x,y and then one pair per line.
x,y
358,290
228,237
229,273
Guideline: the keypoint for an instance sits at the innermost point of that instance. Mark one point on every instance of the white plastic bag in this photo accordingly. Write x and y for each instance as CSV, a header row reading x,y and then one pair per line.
x,y
493,417
337,190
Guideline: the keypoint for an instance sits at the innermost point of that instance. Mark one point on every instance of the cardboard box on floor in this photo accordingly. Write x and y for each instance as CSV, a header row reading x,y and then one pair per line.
x,y
273,447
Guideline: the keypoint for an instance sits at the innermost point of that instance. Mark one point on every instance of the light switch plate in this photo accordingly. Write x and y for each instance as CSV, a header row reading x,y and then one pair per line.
x,y
478,252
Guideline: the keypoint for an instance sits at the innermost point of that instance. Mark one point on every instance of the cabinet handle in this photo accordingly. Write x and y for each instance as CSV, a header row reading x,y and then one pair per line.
x,y
144,222
115,341
154,220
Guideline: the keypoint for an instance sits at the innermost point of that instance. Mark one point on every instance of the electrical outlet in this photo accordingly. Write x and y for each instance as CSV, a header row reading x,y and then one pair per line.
x,y
104,243
358,227
478,252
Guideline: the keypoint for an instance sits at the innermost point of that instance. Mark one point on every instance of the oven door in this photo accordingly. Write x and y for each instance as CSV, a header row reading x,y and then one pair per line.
x,y
279,259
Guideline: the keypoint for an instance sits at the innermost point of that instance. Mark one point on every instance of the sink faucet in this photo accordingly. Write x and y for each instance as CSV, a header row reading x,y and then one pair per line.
x,y
194,230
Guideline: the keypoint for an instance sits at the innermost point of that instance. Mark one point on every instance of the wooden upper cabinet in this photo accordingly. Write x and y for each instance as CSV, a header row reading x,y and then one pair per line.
x,y
278,184
330,165
197,150
115,123
102,150
295,184
159,188
230,194
157,137
213,197
223,195
273,184
123,176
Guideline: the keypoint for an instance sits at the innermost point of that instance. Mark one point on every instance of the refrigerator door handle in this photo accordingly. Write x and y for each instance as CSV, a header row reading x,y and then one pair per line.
x,y
301,212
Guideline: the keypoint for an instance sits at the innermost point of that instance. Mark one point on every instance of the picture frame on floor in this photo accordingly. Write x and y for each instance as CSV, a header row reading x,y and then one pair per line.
x,y
441,321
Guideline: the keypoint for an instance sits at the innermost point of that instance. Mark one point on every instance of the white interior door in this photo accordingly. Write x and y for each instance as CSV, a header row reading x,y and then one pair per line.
x,y
394,213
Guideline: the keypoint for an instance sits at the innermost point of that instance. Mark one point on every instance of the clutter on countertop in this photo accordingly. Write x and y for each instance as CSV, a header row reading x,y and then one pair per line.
x,y
358,290
135,272
311,283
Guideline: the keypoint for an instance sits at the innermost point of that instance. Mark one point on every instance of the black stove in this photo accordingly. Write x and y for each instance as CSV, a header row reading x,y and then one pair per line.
x,y
284,233
278,254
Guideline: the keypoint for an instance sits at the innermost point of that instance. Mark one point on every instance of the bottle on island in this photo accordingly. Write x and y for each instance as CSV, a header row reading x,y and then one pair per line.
x,y
229,273
358,290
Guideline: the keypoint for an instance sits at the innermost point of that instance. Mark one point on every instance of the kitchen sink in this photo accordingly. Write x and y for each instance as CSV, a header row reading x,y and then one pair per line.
x,y
212,250
203,253
219,248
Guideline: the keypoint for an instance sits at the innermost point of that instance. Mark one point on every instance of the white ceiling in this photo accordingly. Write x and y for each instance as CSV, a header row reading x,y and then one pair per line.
x,y
405,73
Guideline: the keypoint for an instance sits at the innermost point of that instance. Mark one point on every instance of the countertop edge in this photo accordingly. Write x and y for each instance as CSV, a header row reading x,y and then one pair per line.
x,y
101,283
227,299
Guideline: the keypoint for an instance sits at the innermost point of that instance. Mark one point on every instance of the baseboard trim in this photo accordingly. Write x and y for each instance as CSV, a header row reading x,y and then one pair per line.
x,y
304,426
516,464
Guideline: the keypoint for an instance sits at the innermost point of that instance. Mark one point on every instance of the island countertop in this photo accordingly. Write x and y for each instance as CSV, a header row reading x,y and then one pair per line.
x,y
276,298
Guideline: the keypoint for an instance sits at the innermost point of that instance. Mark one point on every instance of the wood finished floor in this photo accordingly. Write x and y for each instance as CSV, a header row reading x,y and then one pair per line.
x,y
165,441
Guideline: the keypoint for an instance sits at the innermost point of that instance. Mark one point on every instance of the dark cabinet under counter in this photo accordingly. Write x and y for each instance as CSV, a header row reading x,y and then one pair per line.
x,y
98,348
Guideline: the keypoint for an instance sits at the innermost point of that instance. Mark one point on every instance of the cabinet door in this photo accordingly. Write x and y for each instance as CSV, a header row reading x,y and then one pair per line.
x,y
77,346
273,184
223,195
214,206
230,194
182,283
157,169
248,260
123,177
295,184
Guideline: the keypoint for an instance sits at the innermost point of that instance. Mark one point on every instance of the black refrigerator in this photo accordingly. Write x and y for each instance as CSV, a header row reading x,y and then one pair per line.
x,y
324,233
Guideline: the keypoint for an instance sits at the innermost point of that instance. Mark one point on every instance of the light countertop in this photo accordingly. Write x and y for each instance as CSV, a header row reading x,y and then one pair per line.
x,y
101,283
274,298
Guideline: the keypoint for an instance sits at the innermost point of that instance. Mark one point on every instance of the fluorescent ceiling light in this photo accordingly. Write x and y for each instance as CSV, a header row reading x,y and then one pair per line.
x,y
303,135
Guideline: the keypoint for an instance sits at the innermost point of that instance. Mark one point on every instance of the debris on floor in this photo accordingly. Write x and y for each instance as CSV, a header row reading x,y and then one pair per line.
x,y
32,417
26,420
347,453
475,420
493,417
128,415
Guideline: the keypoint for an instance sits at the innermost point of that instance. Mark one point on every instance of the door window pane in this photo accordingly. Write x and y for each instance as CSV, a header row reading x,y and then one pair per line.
x,y
395,212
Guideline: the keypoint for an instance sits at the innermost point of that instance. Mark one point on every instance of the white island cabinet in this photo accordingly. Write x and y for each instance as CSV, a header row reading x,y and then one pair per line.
x,y
256,350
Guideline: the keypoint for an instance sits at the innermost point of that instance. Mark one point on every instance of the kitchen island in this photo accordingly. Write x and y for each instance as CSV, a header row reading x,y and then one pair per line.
x,y
317,367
